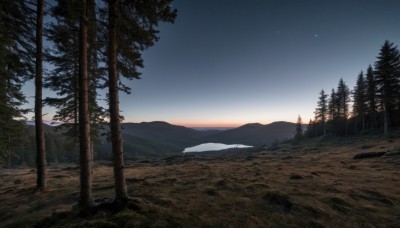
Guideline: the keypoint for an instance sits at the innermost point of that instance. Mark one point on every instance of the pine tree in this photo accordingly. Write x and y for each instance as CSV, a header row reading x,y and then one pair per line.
x,y
298,135
311,130
343,99
97,75
387,70
360,100
333,106
131,28
371,102
76,77
321,111
16,66
41,182
63,79
84,122
64,56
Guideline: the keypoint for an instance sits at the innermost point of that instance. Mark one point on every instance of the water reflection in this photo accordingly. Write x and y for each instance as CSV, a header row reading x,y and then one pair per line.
x,y
213,146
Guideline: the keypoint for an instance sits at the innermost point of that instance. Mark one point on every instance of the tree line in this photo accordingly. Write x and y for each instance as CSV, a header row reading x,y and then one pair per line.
x,y
93,44
372,106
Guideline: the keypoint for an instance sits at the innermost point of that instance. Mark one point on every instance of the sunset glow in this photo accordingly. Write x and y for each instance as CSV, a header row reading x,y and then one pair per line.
x,y
228,63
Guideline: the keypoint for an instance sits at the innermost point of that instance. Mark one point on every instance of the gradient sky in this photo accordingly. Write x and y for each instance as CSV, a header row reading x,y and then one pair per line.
x,y
227,63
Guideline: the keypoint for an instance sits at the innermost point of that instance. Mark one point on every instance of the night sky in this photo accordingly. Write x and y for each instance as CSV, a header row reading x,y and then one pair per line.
x,y
227,63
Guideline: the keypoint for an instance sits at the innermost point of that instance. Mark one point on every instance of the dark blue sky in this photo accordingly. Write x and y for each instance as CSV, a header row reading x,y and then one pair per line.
x,y
234,62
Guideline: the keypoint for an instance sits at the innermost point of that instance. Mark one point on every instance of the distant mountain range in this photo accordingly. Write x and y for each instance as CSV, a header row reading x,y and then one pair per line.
x,y
254,134
49,123
152,139
161,138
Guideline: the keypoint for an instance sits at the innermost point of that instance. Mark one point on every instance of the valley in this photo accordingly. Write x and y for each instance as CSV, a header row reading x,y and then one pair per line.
x,y
315,183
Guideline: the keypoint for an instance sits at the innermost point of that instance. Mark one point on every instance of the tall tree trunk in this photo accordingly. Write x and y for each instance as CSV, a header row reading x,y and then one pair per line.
x,y
115,125
41,182
386,123
316,129
9,151
91,157
363,122
84,124
355,125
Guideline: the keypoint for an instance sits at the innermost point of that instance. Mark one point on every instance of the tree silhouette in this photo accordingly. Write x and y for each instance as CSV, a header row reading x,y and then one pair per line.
x,y
131,28
333,106
343,99
84,122
298,135
41,182
360,101
387,80
371,95
322,110
312,129
16,66
63,78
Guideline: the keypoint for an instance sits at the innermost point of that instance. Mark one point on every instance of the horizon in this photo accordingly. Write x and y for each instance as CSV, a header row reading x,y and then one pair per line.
x,y
194,126
225,64
206,125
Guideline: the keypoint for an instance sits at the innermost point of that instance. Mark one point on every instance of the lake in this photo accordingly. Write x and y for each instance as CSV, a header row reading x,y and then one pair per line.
x,y
212,147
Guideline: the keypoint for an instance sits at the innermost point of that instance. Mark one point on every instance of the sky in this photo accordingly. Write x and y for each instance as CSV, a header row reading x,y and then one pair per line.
x,y
226,63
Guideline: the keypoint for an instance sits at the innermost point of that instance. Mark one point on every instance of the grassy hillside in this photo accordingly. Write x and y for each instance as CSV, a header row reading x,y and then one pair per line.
x,y
311,184
255,134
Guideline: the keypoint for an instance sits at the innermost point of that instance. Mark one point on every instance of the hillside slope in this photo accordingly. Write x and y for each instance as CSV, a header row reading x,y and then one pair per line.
x,y
152,139
310,184
255,134
164,132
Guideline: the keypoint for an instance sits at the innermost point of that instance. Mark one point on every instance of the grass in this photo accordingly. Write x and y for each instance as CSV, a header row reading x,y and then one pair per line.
x,y
313,184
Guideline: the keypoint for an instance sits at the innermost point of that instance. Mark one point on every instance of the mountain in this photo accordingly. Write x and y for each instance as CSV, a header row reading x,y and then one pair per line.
x,y
151,139
48,123
255,134
154,139
165,132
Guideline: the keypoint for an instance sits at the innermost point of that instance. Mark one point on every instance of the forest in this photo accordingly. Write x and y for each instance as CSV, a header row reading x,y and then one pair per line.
x,y
371,107
93,44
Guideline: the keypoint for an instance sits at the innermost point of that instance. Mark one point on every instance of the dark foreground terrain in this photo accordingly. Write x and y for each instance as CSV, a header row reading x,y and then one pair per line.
x,y
312,184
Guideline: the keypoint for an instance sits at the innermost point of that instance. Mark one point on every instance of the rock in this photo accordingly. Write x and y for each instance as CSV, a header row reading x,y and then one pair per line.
x,y
296,177
369,155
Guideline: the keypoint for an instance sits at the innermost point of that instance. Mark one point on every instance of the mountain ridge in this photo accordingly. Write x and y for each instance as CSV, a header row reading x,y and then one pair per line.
x,y
159,138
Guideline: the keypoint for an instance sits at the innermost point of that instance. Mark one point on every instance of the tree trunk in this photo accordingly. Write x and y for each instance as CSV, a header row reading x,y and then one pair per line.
x,y
363,123
76,99
9,151
355,125
115,125
386,122
84,124
41,182
316,129
91,157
